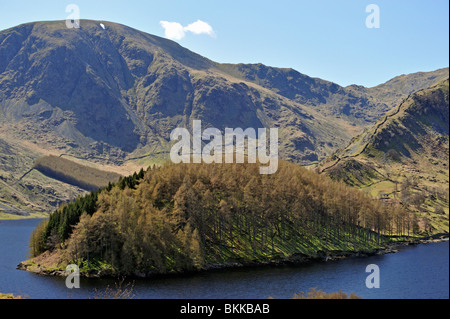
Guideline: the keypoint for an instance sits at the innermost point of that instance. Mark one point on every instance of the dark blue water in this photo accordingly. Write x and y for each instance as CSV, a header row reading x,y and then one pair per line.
x,y
415,272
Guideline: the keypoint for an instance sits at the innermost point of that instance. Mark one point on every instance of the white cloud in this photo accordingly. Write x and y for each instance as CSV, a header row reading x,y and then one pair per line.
x,y
175,31
200,27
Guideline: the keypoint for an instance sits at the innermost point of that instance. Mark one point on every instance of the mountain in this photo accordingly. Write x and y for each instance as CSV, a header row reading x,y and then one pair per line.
x,y
404,156
356,104
110,97
115,92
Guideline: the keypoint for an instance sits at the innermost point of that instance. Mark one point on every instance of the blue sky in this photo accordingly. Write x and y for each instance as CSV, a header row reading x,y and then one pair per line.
x,y
326,39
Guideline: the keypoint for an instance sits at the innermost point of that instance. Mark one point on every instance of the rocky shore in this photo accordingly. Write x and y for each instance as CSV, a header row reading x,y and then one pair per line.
x,y
44,268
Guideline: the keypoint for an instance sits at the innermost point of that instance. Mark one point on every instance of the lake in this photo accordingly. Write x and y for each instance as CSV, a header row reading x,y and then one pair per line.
x,y
415,272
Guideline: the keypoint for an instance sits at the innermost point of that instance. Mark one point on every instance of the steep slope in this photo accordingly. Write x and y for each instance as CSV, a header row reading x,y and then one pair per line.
x,y
405,155
111,96
108,93
356,104
24,189
117,92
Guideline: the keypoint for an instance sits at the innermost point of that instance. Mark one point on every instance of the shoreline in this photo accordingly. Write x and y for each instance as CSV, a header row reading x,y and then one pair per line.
x,y
296,259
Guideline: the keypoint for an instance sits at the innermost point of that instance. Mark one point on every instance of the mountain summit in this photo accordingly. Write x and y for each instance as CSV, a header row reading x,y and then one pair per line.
x,y
110,94
106,90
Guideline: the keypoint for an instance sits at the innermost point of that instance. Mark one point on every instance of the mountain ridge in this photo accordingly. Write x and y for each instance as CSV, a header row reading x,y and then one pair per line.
x,y
124,74
112,96
404,156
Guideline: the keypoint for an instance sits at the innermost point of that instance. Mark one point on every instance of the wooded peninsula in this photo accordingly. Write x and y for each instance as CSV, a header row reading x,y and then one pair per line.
x,y
185,217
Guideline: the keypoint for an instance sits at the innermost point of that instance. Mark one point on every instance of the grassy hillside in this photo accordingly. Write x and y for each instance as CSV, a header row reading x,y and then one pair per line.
x,y
404,157
188,216
24,191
